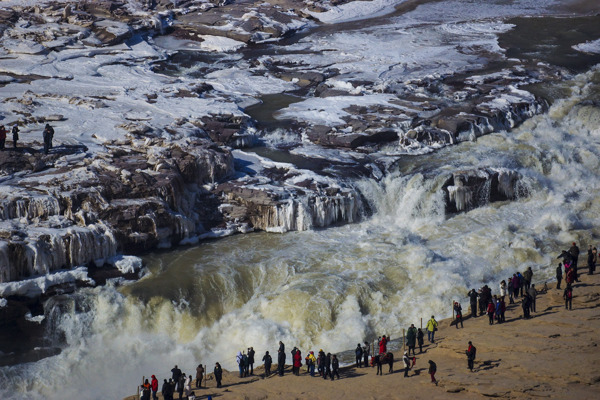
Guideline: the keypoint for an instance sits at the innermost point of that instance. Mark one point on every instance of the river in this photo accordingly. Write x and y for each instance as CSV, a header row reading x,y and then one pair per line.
x,y
332,288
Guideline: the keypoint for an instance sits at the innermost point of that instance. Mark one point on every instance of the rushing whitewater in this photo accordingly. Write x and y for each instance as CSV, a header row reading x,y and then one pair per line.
x,y
333,288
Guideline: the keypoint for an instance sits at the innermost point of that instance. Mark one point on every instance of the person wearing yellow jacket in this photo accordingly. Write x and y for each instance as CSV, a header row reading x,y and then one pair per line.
x,y
431,328
311,360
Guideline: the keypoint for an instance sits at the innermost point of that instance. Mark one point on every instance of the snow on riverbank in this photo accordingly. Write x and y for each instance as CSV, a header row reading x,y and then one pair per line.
x,y
355,10
36,286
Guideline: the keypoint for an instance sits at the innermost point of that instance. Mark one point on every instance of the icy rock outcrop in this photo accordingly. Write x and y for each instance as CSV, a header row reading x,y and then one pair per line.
x,y
135,197
469,189
43,250
287,208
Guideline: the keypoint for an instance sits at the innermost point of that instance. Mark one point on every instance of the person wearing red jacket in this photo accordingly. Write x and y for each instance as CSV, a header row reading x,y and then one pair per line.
x,y
383,345
297,359
154,386
490,312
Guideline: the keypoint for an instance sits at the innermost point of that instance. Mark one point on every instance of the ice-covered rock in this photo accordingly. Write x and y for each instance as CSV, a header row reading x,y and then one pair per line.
x,y
126,264
475,188
36,286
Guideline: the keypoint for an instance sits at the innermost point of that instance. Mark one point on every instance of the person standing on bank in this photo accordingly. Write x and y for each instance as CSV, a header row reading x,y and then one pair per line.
x,y
431,328
411,338
533,294
281,359
473,300
366,352
181,385
559,275
432,371
267,361
251,353
420,339
176,373
568,296
239,359
2,136
383,345
503,290
165,390
491,308
528,276
218,372
458,313
327,367
358,352
15,133
574,251
154,387
471,352
406,361
335,367
199,375
48,135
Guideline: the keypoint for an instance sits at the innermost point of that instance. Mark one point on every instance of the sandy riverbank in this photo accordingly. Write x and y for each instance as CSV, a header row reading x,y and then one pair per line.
x,y
555,355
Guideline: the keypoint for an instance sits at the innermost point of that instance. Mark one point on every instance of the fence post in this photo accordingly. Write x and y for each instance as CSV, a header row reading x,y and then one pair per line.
x,y
421,322
403,340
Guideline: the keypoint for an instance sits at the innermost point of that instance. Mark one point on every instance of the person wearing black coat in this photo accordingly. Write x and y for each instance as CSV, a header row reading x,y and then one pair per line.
x,y
172,384
176,374
281,360
526,304
180,385
366,354
358,352
218,372
558,275
165,390
471,353
251,353
335,367
420,339
590,261
327,367
267,360
473,300
48,135
15,133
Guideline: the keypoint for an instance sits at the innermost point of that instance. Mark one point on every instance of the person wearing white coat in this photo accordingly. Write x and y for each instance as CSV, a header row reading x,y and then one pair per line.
x,y
503,290
188,385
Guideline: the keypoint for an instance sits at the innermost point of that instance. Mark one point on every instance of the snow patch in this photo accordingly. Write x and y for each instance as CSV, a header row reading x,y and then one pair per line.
x,y
126,264
355,10
592,47
37,286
